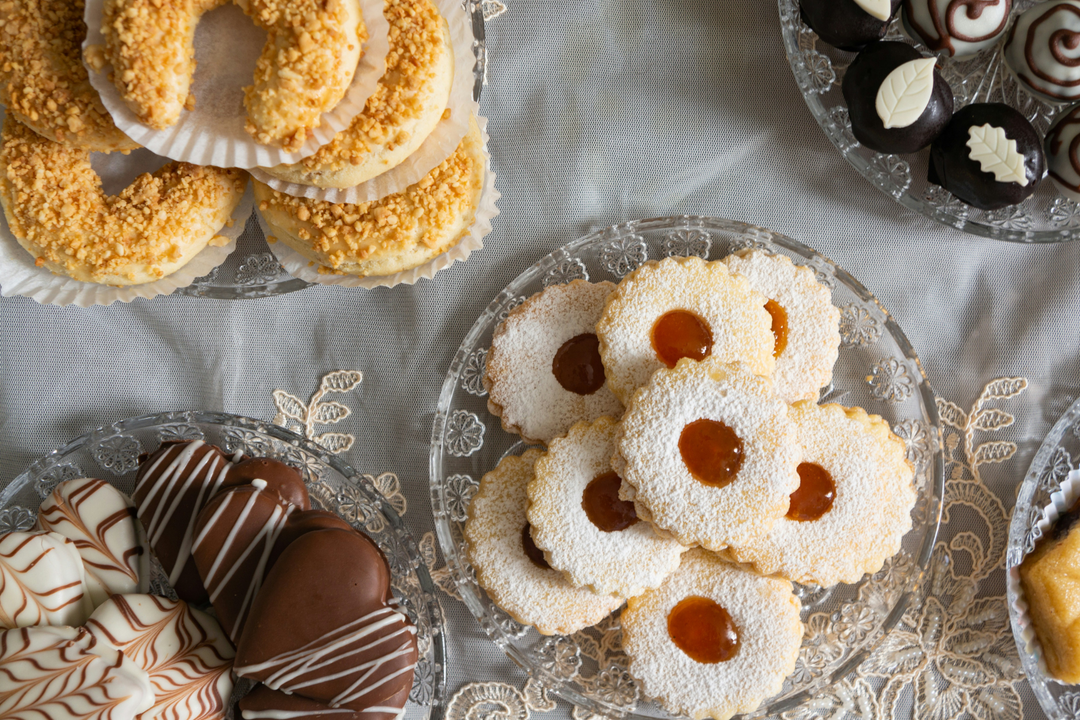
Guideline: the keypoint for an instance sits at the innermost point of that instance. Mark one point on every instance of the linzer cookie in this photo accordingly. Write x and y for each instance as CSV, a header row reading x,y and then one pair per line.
x,y
682,308
543,372
41,581
100,520
512,569
708,454
853,505
183,651
714,640
584,529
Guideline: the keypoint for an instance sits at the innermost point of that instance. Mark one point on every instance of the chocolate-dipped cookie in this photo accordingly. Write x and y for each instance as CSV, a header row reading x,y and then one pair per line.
x,y
1063,153
280,478
958,28
262,702
848,24
896,98
989,156
1042,50
301,522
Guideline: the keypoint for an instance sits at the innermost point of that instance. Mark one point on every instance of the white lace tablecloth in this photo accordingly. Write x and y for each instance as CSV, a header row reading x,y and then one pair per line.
x,y
602,112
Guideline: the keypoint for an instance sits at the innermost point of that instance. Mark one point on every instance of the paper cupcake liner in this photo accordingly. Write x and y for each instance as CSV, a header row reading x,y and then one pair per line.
x,y
442,141
227,45
1060,502
299,266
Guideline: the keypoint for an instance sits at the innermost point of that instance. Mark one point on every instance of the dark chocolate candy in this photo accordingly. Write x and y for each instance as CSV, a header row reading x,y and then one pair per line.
x,y
843,23
280,478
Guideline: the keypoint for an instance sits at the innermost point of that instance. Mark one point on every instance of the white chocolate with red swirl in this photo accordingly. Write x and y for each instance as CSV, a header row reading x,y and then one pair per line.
x,y
100,520
41,581
959,28
183,650
63,673
1043,50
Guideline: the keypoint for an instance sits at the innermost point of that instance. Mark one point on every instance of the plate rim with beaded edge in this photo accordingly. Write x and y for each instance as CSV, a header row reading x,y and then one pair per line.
x,y
1045,217
111,452
467,441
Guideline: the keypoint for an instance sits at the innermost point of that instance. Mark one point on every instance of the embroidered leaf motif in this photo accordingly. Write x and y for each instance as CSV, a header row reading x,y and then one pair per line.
x,y
289,405
336,443
905,93
427,550
951,414
992,419
993,452
1005,388
341,381
881,9
996,154
329,412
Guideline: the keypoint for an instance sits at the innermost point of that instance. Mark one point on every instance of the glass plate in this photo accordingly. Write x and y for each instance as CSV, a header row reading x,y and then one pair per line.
x,y
819,68
112,454
877,369
1057,456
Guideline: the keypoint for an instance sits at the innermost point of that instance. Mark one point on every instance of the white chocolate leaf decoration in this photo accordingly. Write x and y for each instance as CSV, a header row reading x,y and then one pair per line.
x,y
881,9
996,154
41,581
905,93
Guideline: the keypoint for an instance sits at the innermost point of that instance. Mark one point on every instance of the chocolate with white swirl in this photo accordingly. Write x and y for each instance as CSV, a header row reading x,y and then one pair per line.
x,y
1043,50
100,520
262,703
956,27
1063,153
41,581
849,24
183,650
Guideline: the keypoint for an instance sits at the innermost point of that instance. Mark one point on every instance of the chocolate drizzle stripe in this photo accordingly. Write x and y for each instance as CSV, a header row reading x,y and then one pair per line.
x,y
289,714
1051,43
975,10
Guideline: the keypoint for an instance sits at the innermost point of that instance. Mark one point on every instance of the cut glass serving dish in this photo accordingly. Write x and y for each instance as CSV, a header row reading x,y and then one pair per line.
x,y
877,369
111,453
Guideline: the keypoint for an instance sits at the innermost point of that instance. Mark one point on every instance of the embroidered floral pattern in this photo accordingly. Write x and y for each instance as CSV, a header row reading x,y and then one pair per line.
x,y
292,411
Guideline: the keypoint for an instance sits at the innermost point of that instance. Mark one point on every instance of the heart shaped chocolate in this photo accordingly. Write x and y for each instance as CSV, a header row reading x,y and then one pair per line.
x,y
321,627
302,522
262,702
280,478
41,581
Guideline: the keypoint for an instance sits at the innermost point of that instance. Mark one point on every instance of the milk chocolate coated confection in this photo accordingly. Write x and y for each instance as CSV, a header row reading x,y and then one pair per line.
x,y
1042,50
956,27
41,581
301,522
896,98
282,479
355,652
100,520
1063,153
989,156
849,24
262,703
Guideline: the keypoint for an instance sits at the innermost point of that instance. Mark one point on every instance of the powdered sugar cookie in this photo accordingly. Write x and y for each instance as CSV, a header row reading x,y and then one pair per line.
x,y
583,527
510,567
853,505
805,324
714,640
682,308
543,372
706,452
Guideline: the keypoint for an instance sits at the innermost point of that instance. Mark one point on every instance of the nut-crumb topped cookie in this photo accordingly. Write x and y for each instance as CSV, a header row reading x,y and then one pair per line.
x,y
543,372
853,505
682,308
512,569
583,527
714,640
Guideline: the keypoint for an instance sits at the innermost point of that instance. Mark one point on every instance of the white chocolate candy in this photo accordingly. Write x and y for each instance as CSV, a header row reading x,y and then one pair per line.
x,y
1042,51
905,93
958,27
41,581
100,520
881,9
1063,154
996,154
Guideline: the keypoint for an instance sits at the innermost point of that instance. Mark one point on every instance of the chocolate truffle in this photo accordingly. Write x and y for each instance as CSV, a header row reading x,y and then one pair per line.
x,y
1043,50
958,28
1063,153
896,98
989,156
848,24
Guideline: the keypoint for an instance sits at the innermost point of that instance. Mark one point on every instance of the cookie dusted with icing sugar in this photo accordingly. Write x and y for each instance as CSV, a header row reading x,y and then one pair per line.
x,y
714,640
582,526
806,325
708,454
42,581
543,372
512,569
682,307
853,505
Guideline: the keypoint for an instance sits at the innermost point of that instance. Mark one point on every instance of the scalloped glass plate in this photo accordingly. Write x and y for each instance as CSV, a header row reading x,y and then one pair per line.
x,y
877,369
112,454
1056,457
819,68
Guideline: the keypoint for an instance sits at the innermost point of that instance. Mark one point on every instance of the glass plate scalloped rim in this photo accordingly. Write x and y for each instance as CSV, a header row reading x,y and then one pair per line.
x,y
111,453
1045,217
460,455
1058,454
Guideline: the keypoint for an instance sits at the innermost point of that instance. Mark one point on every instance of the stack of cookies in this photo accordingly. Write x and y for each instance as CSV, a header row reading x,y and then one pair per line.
x,y
688,472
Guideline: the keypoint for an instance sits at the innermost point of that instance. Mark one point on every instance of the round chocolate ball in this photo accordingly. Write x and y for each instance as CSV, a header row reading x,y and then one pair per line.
x,y
848,24
989,156
896,98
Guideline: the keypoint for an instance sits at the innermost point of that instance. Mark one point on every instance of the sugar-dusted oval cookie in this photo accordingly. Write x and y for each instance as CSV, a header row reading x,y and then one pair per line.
x,y
543,372
682,308
512,569
805,323
707,453
714,640
853,504
585,530
41,581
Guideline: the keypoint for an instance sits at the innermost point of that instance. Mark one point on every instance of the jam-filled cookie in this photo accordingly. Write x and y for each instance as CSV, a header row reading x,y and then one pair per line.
x,y
707,452
853,504
682,308
512,569
805,323
543,372
583,527
714,640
